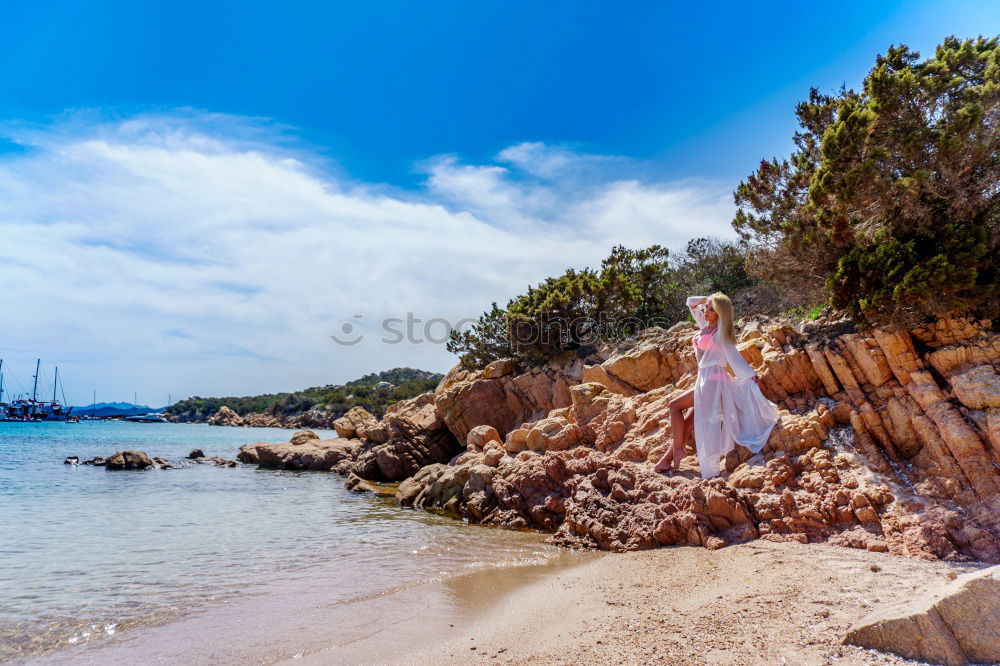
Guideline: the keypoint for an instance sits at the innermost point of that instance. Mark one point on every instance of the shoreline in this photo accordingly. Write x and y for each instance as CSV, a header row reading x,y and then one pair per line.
x,y
287,619
760,602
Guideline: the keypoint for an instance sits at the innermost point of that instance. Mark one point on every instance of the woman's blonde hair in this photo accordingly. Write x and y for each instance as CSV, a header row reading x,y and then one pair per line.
x,y
724,309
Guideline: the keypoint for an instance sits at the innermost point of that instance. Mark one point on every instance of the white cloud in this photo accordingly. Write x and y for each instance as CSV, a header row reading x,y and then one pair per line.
x,y
204,254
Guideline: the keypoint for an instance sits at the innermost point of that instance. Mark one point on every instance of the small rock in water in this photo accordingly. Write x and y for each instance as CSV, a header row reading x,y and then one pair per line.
x,y
97,462
71,460
215,460
128,460
356,484
162,463
197,453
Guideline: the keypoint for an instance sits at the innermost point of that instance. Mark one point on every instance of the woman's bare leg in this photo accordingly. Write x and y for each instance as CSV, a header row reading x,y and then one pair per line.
x,y
678,427
679,450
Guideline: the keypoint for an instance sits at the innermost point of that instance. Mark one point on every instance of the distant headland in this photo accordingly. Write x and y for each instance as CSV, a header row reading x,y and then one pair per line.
x,y
316,407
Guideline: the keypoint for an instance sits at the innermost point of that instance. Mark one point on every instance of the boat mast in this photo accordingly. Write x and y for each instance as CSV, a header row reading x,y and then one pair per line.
x,y
1,381
34,390
55,383
93,405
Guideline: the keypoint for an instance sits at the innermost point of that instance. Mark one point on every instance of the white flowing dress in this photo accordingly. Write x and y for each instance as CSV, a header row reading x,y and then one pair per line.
x,y
726,410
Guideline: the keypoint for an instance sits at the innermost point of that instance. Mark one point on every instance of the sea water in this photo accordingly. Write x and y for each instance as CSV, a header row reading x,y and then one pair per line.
x,y
87,553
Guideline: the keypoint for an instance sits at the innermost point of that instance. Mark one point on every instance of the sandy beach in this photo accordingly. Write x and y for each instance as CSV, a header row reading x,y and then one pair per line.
x,y
756,603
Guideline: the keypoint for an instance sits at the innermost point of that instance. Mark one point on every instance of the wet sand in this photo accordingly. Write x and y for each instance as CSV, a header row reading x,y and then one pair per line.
x,y
757,603
279,623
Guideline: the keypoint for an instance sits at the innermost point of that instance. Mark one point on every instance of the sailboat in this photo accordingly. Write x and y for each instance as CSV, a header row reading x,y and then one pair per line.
x,y
33,409
3,405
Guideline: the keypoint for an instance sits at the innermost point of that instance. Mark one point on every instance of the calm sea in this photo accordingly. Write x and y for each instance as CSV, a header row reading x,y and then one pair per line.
x,y
87,553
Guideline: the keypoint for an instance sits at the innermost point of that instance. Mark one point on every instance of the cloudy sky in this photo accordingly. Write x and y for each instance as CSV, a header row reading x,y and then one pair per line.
x,y
193,201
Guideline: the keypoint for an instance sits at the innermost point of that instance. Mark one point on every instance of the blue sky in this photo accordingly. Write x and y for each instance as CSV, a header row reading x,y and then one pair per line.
x,y
208,189
703,89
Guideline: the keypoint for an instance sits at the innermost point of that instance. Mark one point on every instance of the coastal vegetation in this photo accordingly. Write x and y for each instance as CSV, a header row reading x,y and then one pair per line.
x,y
888,210
632,290
336,399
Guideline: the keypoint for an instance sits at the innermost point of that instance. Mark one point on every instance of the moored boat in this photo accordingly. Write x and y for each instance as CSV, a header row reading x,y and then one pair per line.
x,y
148,418
33,409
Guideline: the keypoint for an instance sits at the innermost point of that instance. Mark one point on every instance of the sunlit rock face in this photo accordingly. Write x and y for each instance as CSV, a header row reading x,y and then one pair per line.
x,y
889,440
409,436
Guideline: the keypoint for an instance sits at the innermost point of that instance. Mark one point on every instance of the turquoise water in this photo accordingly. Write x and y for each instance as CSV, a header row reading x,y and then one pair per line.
x,y
87,553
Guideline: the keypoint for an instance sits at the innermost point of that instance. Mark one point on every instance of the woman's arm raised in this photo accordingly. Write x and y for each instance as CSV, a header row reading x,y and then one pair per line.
x,y
698,315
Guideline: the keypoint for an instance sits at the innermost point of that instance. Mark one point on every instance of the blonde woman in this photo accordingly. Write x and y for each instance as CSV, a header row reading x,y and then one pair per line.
x,y
726,410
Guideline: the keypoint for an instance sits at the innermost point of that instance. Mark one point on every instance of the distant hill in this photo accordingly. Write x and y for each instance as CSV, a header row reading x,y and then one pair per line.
x,y
337,398
115,409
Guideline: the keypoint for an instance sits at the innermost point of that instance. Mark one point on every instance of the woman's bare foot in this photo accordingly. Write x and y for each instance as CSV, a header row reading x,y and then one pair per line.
x,y
665,462
678,457
670,461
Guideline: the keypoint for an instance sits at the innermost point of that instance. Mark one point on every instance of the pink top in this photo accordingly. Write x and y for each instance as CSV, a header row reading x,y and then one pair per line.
x,y
711,350
703,341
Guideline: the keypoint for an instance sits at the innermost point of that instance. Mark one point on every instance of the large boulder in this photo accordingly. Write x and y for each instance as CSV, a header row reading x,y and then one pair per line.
x,y
248,453
480,436
303,452
497,397
225,417
127,460
956,623
303,436
412,434
359,422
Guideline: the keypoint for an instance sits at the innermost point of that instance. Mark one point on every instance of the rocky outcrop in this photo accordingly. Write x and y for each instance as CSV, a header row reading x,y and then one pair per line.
x,y
499,397
315,417
358,422
305,451
127,460
889,440
225,417
255,420
412,434
957,623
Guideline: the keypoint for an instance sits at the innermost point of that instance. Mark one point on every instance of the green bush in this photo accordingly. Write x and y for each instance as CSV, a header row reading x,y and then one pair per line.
x,y
889,206
632,290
